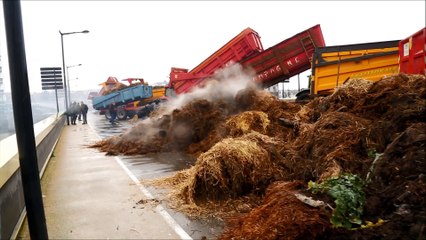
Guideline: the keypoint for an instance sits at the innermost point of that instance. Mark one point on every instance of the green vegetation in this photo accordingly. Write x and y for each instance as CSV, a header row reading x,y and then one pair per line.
x,y
347,192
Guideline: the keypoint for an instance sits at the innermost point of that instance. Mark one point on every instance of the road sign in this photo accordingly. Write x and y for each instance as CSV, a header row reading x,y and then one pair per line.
x,y
51,78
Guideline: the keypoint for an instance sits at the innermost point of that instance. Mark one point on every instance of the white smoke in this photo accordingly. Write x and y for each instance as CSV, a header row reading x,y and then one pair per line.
x,y
144,131
224,84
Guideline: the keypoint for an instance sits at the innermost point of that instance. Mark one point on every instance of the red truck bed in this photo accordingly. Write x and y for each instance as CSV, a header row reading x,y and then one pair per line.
x,y
412,53
276,64
287,58
245,44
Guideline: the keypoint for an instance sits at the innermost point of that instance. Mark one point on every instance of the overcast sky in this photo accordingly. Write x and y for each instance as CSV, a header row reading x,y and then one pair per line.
x,y
146,38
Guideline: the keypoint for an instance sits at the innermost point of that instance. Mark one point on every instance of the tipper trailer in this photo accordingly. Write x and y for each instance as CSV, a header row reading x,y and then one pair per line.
x,y
245,44
412,53
276,64
333,65
129,100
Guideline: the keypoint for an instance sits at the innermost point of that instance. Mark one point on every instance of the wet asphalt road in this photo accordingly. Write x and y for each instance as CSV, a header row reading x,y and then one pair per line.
x,y
152,166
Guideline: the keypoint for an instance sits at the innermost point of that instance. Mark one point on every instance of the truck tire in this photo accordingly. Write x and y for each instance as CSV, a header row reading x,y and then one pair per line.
x,y
130,114
107,115
303,95
121,114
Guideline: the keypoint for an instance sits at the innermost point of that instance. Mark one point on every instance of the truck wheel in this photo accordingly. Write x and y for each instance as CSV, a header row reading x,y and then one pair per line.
x,y
107,115
121,114
303,95
131,114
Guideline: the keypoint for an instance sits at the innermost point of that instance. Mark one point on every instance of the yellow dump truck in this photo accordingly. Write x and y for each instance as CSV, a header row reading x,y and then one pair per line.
x,y
333,65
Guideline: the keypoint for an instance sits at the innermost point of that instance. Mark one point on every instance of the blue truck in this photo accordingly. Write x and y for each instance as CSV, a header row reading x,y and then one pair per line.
x,y
121,98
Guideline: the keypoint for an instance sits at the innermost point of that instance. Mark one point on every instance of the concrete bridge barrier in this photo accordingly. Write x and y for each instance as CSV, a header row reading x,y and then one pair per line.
x,y
12,204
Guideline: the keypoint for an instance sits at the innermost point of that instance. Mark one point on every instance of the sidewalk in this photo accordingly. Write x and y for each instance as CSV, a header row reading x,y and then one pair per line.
x,y
88,195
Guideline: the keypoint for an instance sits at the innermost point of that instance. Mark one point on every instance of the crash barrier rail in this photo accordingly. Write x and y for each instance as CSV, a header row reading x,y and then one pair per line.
x,y
12,204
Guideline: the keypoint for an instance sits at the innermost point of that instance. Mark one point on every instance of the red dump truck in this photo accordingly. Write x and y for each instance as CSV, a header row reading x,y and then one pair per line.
x,y
276,64
286,59
245,44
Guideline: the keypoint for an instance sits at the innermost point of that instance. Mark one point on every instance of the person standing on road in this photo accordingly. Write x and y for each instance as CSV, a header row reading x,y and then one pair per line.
x,y
112,112
80,108
84,109
74,111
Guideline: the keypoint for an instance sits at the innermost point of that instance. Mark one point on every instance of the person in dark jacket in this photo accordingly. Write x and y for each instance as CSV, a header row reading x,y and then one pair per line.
x,y
80,108
74,112
112,112
84,109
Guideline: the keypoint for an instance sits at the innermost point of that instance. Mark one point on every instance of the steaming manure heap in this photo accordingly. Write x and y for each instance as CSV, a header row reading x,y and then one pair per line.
x,y
276,169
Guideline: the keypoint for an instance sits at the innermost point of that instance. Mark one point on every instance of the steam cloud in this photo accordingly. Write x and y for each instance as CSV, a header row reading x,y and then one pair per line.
x,y
224,85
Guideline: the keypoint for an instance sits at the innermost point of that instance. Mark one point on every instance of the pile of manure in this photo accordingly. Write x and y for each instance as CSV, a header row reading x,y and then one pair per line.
x,y
280,216
233,167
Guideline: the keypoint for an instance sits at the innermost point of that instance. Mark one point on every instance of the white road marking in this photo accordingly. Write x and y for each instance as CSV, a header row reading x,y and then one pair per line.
x,y
167,217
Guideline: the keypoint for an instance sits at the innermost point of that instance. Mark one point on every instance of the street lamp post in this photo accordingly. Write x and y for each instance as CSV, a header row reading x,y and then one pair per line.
x,y
63,67
68,81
